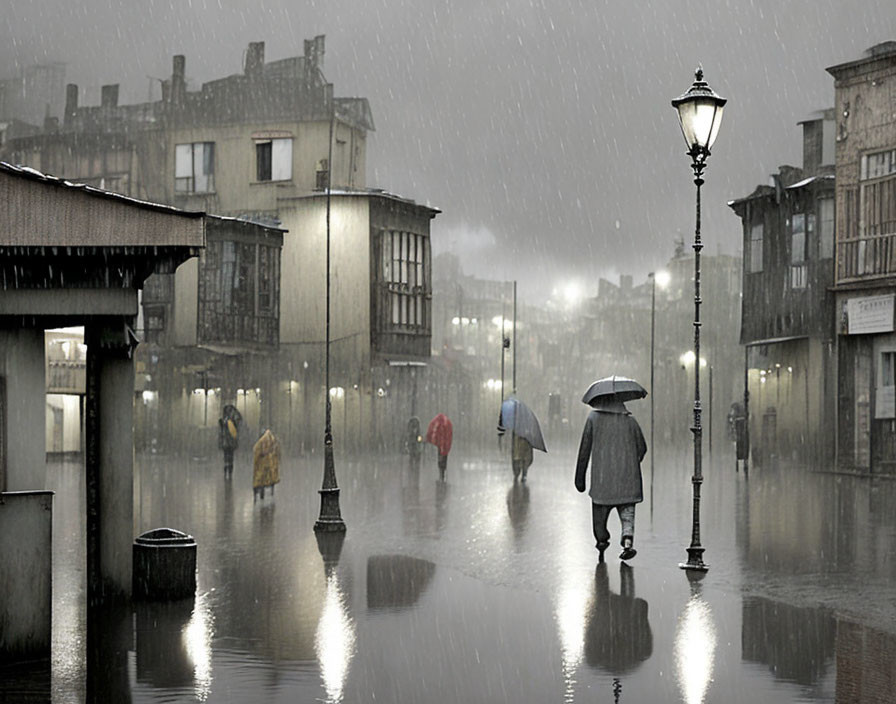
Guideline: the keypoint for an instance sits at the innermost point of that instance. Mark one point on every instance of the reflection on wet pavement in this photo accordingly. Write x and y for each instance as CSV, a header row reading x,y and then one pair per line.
x,y
479,589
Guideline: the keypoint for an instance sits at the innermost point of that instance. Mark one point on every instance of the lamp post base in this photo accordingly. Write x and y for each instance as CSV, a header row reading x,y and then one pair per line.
x,y
695,560
330,520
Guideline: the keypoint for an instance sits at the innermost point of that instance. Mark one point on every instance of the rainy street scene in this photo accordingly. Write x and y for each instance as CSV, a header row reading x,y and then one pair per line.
x,y
457,352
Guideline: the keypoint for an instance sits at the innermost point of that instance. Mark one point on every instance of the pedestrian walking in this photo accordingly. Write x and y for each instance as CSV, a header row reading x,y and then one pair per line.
x,y
520,456
265,465
440,433
229,436
413,441
614,444
525,434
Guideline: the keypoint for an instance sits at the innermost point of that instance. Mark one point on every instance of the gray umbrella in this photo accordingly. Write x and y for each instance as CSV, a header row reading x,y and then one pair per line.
x,y
518,417
619,386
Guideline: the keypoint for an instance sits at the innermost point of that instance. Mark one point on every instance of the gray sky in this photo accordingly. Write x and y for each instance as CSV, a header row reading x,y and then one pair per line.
x,y
542,128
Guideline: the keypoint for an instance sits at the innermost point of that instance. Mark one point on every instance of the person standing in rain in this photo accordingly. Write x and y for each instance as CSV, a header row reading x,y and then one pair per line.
x,y
440,433
613,441
229,436
265,465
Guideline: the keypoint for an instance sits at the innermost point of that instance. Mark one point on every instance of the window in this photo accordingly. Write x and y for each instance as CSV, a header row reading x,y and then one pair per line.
x,y
799,224
238,292
273,159
888,368
756,233
877,206
194,167
321,175
404,259
826,229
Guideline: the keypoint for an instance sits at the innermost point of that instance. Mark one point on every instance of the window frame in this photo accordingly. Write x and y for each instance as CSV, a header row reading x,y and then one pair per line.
x,y
185,174
756,250
273,159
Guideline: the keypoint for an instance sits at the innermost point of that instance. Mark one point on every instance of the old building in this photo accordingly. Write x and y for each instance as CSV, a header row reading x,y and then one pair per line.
x,y
211,334
264,146
787,305
865,259
380,317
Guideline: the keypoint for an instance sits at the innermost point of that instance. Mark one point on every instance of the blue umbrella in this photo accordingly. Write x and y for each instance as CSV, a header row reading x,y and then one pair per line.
x,y
519,418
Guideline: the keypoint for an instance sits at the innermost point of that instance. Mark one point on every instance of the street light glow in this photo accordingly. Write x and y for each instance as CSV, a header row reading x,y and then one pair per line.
x,y
662,278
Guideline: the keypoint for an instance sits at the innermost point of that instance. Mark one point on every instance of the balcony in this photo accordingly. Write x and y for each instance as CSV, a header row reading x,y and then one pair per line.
x,y
860,258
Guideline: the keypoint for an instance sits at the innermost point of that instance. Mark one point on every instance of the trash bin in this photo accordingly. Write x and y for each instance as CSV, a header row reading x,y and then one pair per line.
x,y
164,565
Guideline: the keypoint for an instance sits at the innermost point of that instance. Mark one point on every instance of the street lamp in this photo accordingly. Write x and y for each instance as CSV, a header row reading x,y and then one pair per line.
x,y
700,114
661,277
330,519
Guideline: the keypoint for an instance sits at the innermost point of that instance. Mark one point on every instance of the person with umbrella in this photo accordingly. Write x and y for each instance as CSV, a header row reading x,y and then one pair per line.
x,y
525,432
439,433
613,441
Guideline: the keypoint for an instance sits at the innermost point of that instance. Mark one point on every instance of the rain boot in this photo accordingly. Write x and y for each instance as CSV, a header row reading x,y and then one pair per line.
x,y
601,547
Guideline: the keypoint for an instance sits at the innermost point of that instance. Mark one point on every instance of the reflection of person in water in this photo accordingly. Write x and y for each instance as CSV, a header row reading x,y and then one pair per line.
x,y
617,633
518,507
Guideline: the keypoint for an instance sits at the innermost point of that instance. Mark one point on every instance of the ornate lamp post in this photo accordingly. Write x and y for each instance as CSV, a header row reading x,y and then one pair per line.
x,y
330,519
700,114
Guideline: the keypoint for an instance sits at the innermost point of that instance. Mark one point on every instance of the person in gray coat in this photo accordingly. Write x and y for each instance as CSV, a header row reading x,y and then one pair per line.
x,y
613,441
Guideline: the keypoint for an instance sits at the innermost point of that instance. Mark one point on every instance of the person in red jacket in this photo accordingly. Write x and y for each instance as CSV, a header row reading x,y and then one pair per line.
x,y
439,433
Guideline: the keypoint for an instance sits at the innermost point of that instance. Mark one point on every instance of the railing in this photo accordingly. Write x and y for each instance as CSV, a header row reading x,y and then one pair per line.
x,y
861,257
66,377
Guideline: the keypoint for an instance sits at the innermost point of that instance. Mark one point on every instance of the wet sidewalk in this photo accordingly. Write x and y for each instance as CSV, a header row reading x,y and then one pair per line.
x,y
478,589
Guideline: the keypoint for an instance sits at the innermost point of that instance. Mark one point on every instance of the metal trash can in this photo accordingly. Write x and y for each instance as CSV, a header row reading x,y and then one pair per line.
x,y
164,565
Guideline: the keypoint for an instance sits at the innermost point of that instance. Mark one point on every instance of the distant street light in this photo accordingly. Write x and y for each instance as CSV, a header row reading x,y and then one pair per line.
x,y
661,278
700,115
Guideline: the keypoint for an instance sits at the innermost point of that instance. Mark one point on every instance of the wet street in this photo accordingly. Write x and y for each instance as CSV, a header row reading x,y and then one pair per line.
x,y
477,589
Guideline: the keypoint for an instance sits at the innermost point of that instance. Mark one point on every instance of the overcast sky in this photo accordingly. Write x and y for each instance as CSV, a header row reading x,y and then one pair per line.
x,y
542,128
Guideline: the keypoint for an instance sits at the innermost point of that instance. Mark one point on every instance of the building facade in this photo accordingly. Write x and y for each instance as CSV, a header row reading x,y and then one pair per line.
x,y
865,259
788,307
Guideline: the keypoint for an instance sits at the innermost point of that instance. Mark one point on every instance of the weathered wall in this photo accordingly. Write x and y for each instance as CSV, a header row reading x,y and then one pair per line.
x,y
303,270
237,189
22,364
26,584
186,303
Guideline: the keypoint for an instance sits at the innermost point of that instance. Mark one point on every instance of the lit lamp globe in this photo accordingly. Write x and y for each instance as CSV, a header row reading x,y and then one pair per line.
x,y
699,114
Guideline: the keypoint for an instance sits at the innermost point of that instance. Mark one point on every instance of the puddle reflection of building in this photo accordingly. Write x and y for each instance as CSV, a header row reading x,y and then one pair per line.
x,y
866,664
618,637
796,643
396,581
695,645
518,508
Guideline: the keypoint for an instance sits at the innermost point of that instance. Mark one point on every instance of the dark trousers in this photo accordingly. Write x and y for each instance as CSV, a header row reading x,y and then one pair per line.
x,y
599,515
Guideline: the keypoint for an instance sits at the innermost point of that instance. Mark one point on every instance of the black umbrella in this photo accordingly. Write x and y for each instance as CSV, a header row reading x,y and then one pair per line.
x,y
619,386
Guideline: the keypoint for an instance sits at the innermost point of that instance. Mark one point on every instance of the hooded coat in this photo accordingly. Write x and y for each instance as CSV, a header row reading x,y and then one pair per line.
x,y
614,443
266,461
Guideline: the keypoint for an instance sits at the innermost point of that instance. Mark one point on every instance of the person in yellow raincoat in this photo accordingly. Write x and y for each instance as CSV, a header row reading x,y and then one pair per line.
x,y
266,464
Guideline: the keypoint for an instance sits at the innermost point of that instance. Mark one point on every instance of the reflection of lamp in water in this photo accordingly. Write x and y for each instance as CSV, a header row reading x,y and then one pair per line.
x,y
569,612
695,647
197,636
334,641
